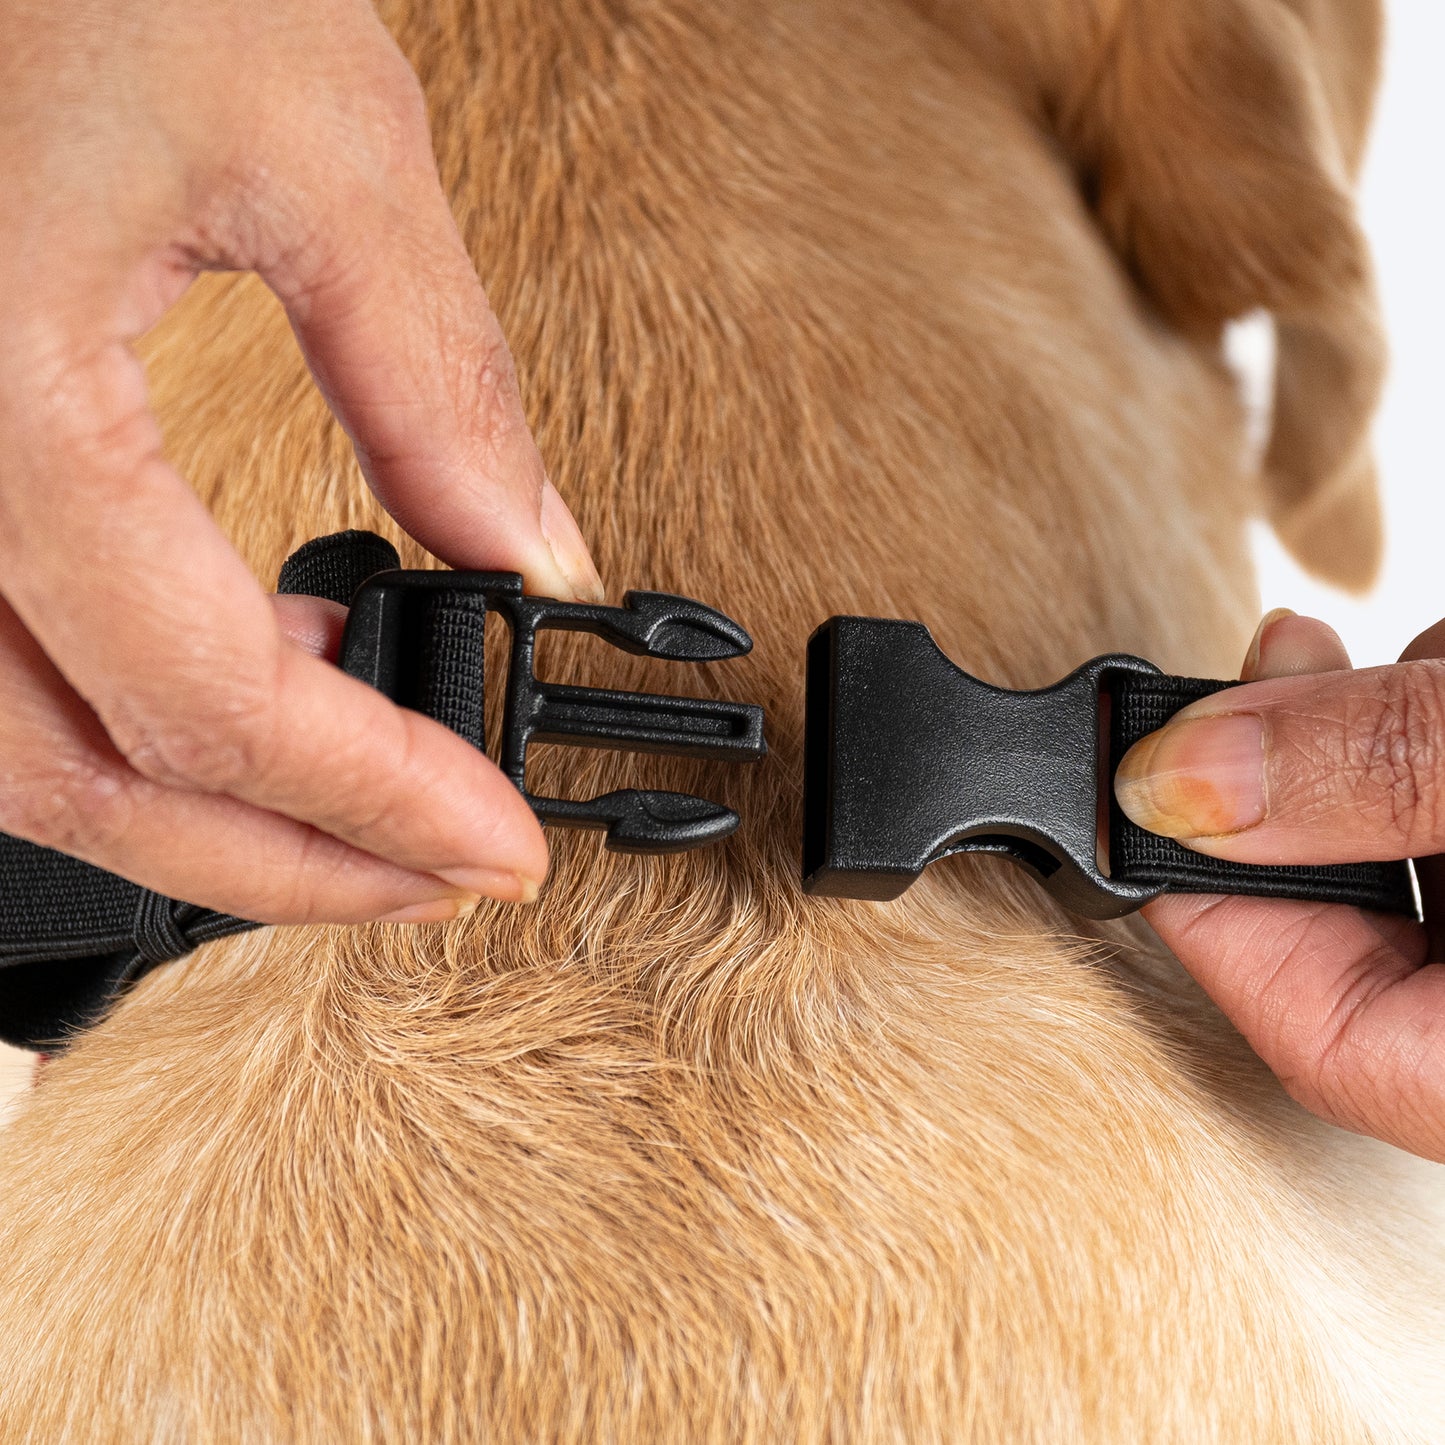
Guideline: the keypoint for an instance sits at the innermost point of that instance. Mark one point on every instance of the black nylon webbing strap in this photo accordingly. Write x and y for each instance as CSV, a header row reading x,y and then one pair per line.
x,y
72,936
333,567
1141,704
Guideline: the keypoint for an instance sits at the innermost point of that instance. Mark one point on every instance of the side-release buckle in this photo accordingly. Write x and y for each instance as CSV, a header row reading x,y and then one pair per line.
x,y
908,759
418,638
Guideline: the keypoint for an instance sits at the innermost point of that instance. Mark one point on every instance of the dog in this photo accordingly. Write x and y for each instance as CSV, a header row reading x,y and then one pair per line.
x,y
907,308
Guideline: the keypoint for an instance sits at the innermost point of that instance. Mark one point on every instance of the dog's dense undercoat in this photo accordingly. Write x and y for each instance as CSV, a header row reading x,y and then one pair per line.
x,y
834,305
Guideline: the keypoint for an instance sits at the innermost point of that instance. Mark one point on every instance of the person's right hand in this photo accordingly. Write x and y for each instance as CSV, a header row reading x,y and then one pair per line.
x,y
1313,763
163,718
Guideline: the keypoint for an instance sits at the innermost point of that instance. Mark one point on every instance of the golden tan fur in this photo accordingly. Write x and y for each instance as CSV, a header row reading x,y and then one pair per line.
x,y
812,315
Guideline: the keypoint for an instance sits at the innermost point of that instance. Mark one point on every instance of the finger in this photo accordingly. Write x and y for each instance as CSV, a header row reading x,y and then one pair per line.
x,y
1288,645
1430,643
102,546
402,339
1335,767
221,704
1334,1000
1324,994
65,786
312,624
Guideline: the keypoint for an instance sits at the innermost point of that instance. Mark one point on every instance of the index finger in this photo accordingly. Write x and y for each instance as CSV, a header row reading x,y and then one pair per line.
x,y
403,341
172,643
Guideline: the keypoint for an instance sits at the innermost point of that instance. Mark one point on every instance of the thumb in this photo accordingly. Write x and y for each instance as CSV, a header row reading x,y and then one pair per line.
x,y
1331,768
403,342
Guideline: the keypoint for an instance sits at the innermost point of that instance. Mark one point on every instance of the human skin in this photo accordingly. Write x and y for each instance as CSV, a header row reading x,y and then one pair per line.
x,y
1316,764
165,718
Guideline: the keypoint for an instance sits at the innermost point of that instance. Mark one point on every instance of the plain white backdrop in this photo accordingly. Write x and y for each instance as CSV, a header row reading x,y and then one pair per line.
x,y
1403,201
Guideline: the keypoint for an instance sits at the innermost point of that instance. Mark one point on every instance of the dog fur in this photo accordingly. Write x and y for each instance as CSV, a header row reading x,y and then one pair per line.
x,y
819,306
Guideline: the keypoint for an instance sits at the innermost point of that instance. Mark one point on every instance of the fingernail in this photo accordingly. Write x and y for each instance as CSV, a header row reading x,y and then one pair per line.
x,y
493,883
569,551
435,910
1251,658
1198,778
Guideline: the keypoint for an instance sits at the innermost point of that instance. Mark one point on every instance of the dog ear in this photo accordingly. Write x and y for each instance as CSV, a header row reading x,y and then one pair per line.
x,y
1218,142
1222,140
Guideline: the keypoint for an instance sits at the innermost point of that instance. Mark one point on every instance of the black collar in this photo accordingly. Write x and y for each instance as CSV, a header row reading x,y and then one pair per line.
x,y
908,759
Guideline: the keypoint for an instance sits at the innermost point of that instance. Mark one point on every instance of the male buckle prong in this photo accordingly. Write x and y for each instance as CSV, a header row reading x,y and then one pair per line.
x,y
401,623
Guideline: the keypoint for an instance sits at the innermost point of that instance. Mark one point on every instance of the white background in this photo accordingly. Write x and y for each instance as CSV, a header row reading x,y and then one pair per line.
x,y
1403,202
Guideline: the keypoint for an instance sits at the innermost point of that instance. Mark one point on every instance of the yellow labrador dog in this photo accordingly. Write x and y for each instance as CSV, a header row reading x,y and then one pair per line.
x,y
910,309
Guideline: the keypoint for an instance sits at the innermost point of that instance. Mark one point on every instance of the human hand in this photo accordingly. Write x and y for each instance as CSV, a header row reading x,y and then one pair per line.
x,y
214,756
1316,764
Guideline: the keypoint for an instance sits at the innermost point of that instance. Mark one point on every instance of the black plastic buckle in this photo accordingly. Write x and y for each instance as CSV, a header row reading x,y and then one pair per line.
x,y
418,637
908,759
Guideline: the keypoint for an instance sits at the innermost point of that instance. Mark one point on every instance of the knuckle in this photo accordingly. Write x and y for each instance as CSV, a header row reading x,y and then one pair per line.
x,y
1396,746
388,114
368,138
76,804
377,805
299,894
221,748
378,161
484,380
1322,1079
1336,1074
86,410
